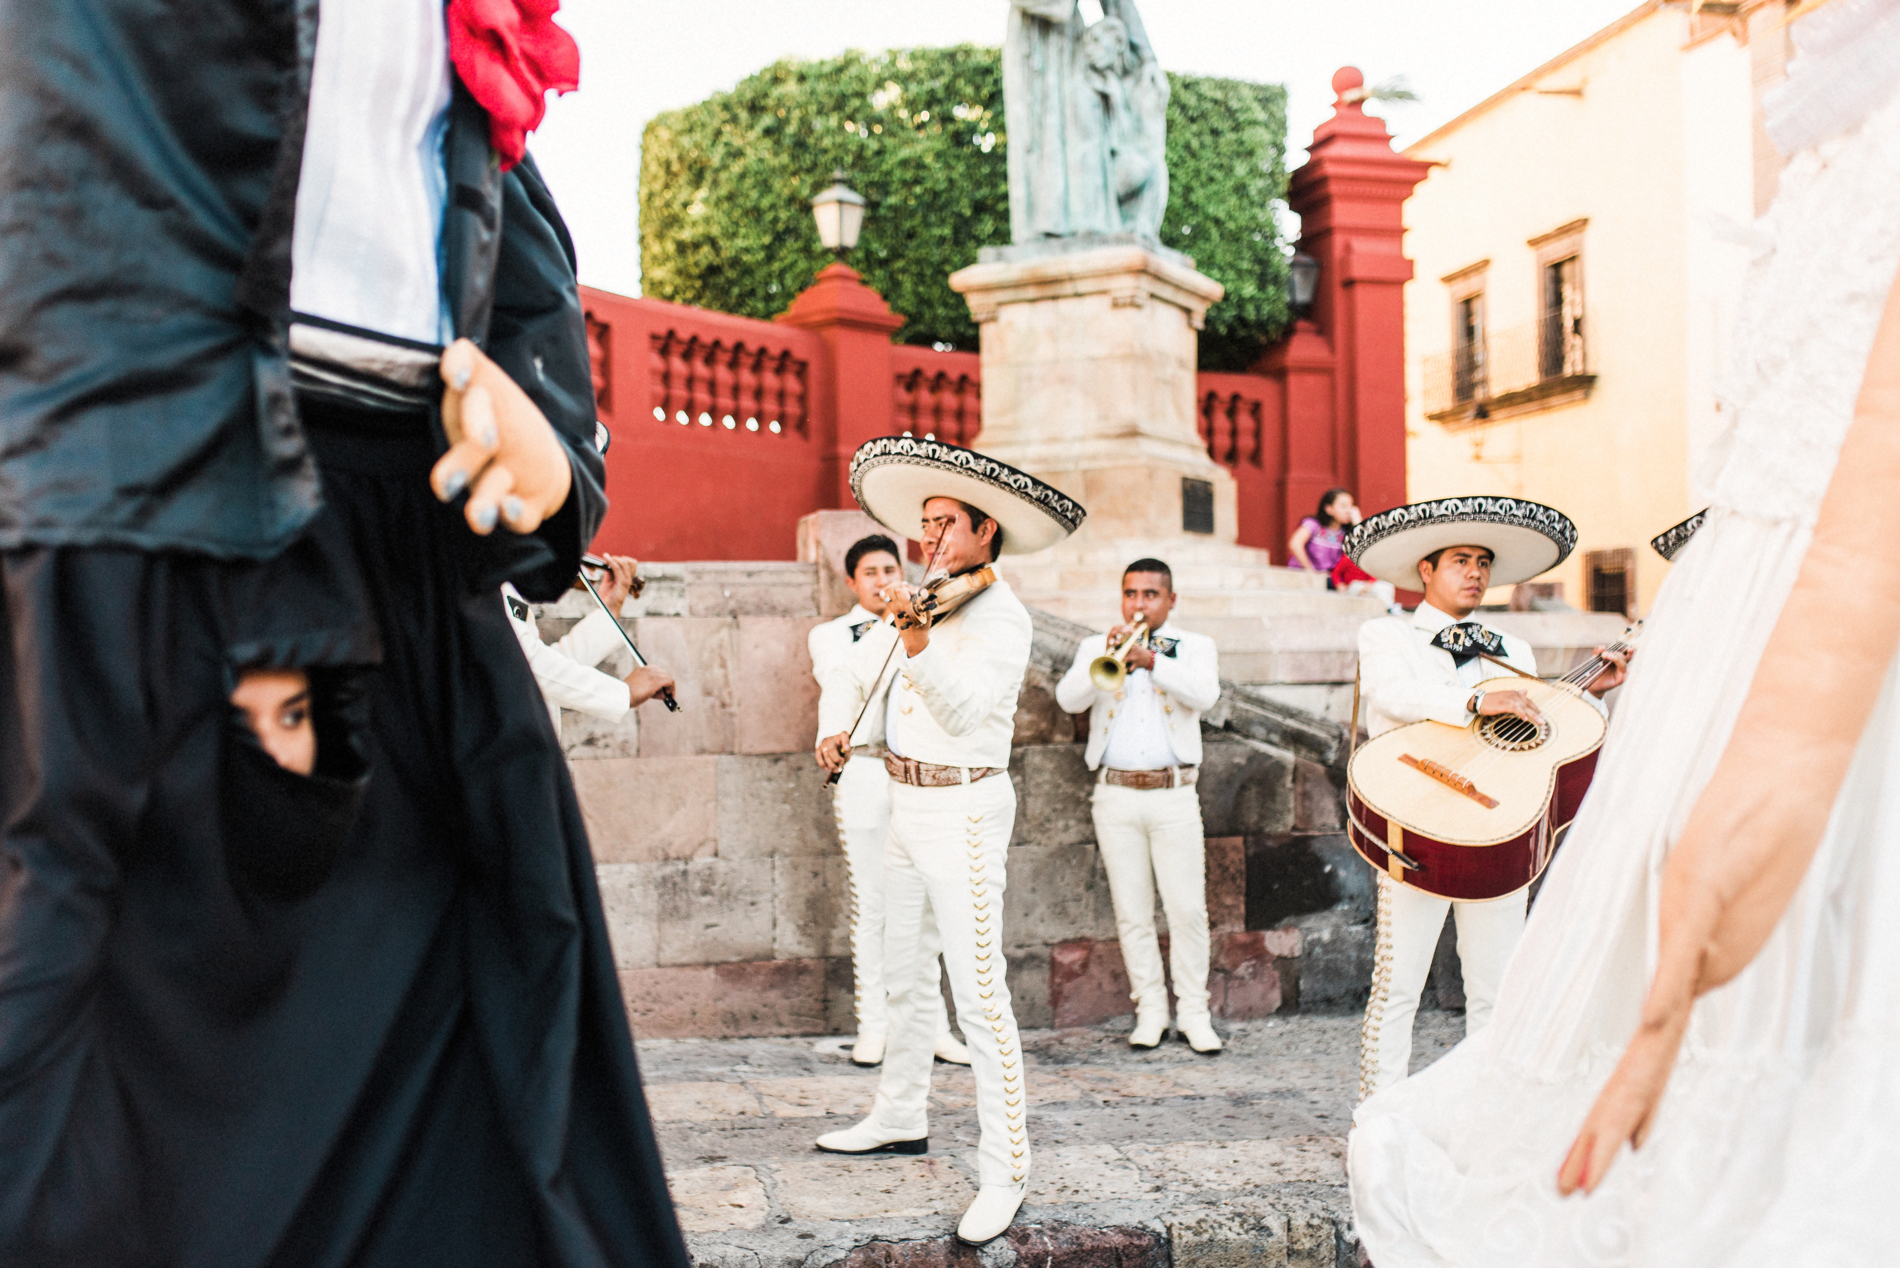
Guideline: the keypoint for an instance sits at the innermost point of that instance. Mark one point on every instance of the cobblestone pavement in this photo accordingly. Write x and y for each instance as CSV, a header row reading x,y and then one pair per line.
x,y
1142,1159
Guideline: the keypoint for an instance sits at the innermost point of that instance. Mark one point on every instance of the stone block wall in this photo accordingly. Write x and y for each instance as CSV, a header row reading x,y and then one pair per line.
x,y
725,889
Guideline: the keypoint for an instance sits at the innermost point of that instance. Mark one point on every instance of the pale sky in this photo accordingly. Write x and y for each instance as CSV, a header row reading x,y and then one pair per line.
x,y
639,58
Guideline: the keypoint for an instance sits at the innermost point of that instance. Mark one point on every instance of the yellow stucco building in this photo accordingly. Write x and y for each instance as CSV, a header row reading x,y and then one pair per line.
x,y
1579,247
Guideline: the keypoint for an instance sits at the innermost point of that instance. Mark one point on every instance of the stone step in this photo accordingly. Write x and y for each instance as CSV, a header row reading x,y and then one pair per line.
x,y
1040,576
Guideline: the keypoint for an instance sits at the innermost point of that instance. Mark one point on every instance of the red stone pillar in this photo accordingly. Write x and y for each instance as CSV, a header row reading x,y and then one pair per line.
x,y
1350,197
857,379
1304,365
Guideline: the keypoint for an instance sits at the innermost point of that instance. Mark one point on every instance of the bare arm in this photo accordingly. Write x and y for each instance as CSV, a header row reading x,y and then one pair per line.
x,y
1296,546
1754,829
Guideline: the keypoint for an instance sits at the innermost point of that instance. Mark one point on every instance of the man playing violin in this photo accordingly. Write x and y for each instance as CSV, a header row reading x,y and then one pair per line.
x,y
1439,664
565,669
961,643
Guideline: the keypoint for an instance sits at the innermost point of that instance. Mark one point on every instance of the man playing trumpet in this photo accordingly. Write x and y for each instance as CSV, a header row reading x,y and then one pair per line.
x,y
1145,704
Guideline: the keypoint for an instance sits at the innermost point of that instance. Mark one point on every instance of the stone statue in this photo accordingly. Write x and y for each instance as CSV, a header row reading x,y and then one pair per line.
x,y
1086,111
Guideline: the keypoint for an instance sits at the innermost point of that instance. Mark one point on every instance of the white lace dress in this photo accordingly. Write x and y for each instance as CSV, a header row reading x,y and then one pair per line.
x,y
1778,1140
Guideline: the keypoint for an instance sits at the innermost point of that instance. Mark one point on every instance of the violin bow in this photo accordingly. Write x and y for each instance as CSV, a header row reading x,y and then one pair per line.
x,y
666,693
866,706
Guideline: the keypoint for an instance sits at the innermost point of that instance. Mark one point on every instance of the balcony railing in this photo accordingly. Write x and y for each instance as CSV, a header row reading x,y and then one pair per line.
x,y
1536,365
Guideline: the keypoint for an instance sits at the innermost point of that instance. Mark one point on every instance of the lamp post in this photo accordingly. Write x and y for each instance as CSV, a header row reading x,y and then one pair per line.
x,y
839,211
1302,282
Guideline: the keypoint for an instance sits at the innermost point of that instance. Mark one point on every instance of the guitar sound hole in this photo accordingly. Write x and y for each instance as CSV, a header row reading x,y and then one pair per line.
x,y
1511,733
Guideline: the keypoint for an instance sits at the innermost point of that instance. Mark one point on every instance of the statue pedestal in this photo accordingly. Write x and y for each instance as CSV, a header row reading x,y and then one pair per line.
x,y
1089,382
1089,356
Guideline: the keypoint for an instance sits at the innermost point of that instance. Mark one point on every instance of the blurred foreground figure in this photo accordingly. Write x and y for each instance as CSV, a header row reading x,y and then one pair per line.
x,y
1708,972
292,377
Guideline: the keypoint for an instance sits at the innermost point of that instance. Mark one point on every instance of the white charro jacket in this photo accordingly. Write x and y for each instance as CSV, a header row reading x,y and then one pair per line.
x,y
953,704
565,669
832,645
1403,678
1186,683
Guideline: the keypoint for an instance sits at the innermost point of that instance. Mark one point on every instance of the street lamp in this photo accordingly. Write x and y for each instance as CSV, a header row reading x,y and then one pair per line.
x,y
839,212
1302,282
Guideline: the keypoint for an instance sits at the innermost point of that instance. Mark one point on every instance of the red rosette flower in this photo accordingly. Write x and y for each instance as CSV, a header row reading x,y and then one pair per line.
x,y
509,54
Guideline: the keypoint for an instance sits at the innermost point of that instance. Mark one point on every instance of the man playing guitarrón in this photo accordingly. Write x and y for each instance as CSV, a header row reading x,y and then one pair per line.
x,y
1440,665
949,722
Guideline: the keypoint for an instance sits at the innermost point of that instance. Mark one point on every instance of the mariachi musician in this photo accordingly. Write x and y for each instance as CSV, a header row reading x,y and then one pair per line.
x,y
1145,749
949,720
565,669
1440,665
861,799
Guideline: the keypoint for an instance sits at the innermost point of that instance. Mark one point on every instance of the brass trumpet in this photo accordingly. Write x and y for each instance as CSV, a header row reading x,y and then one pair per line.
x,y
1108,672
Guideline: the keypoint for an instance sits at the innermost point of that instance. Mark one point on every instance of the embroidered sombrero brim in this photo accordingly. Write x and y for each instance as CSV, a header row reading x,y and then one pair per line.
x,y
1669,542
893,476
1524,538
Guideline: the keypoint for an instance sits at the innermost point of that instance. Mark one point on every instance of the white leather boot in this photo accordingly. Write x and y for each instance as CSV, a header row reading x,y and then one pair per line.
x,y
950,1051
990,1216
1149,1030
871,1137
868,1050
1200,1035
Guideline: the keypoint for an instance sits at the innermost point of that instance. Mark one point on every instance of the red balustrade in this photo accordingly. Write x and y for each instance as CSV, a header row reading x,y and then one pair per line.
x,y
1243,422
938,394
714,455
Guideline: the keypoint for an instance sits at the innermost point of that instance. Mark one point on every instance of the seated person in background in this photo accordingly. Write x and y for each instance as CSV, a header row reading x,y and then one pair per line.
x,y
1320,541
1349,578
565,669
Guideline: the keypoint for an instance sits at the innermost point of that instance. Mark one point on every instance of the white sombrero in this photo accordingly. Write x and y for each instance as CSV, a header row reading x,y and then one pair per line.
x,y
893,476
1668,542
1524,538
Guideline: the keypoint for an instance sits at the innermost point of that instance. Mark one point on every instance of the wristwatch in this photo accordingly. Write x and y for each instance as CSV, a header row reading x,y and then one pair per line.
x,y
1477,698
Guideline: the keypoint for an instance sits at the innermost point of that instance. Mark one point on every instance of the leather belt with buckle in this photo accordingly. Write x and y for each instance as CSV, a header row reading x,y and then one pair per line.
x,y
1167,777
908,770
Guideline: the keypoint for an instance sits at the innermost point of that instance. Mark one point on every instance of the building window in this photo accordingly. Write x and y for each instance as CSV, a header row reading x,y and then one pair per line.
x,y
1468,378
1610,577
1560,330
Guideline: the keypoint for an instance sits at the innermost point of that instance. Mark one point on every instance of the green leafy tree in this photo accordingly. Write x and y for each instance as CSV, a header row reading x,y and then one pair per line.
x,y
725,189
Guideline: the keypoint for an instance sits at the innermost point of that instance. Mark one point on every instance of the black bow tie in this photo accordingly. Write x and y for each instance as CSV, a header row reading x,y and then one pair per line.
x,y
1163,646
857,631
1466,640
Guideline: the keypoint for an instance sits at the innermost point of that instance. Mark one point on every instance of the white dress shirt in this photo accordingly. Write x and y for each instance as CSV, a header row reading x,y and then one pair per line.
x,y
1403,678
839,696
1154,721
565,669
954,703
372,188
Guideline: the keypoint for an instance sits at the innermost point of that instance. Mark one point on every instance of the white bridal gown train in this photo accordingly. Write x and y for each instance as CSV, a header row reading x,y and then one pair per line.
x,y
1778,1140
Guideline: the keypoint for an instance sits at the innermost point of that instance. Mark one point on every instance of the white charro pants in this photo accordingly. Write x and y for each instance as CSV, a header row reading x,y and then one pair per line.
x,y
1410,921
1151,839
944,877
862,805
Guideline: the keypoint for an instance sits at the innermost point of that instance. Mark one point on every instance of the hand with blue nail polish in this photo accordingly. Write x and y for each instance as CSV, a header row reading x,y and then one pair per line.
x,y
502,451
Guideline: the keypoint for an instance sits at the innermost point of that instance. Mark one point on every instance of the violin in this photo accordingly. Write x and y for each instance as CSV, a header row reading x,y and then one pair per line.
x,y
586,583
942,595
